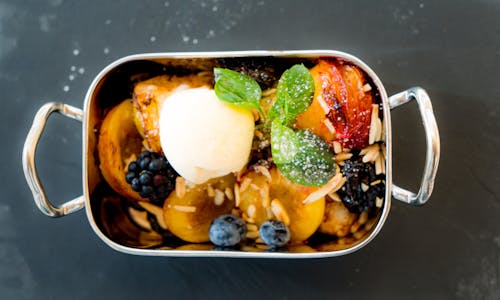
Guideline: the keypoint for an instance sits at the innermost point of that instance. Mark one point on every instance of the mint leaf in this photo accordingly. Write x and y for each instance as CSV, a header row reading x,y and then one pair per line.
x,y
312,164
284,143
237,89
294,94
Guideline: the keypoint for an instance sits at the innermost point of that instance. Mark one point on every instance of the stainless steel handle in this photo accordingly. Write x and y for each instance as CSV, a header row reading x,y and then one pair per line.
x,y
433,145
29,166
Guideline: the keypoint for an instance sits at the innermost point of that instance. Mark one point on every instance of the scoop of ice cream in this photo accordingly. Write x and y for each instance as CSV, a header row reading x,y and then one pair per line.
x,y
202,137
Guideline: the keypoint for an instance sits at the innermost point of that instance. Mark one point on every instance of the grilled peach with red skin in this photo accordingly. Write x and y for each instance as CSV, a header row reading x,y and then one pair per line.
x,y
344,103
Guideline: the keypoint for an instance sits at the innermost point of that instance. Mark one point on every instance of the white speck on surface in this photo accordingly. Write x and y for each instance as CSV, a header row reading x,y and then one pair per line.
x,y
81,70
105,50
71,77
497,241
76,52
45,22
485,283
421,5
66,88
73,68
203,4
167,4
185,38
107,22
152,39
195,41
15,273
55,2
215,8
8,14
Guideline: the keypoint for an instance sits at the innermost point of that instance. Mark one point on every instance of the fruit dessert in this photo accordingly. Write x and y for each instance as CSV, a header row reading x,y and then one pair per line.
x,y
246,156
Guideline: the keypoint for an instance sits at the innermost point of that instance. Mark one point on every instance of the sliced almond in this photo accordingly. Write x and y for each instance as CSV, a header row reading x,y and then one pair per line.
x,y
378,165
185,208
210,191
254,186
363,217
342,156
155,210
279,212
251,211
264,171
332,186
140,218
335,197
180,187
219,197
244,185
329,126
368,149
229,193
237,197
264,193
367,87
323,104
337,147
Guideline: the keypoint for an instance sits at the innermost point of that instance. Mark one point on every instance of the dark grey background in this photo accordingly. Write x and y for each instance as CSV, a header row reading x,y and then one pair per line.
x,y
450,248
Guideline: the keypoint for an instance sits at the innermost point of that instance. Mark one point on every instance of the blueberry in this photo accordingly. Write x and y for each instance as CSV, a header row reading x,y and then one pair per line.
x,y
274,233
227,230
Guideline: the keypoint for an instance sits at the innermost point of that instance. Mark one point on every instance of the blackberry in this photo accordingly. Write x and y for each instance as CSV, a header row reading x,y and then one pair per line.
x,y
262,70
152,177
358,174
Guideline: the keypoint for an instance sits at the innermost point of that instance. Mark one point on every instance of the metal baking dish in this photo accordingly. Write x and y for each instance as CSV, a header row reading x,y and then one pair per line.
x,y
109,87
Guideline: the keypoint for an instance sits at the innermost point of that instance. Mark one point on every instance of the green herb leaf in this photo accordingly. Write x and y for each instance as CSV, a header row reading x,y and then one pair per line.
x,y
237,89
284,143
294,93
312,164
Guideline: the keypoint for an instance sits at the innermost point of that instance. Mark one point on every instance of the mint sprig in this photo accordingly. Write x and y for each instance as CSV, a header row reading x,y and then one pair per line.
x,y
294,94
237,89
301,156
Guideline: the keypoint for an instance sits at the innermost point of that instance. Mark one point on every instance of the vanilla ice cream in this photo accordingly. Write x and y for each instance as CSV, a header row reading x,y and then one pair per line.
x,y
203,137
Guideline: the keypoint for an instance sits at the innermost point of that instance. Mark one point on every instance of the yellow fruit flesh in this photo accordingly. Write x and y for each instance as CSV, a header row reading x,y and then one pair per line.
x,y
189,216
304,219
118,141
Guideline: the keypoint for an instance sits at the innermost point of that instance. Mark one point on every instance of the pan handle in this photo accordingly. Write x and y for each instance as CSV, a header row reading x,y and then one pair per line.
x,y
29,166
433,145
